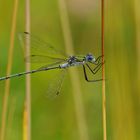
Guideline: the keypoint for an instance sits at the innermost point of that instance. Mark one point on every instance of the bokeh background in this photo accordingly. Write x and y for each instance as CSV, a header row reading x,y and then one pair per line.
x,y
56,119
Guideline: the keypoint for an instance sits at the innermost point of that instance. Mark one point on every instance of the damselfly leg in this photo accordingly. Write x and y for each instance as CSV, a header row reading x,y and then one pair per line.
x,y
96,69
93,71
98,60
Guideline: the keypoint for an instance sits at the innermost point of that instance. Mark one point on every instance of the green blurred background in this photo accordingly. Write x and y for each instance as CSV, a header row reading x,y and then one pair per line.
x,y
56,119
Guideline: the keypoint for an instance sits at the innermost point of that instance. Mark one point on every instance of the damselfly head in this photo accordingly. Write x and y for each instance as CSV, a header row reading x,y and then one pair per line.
x,y
90,58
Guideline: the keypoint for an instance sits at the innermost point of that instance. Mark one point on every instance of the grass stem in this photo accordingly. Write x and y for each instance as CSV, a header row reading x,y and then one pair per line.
x,y
103,72
137,20
9,67
27,110
79,106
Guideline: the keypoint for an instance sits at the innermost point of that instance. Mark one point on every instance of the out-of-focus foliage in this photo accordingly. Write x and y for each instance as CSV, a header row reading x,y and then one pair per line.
x,y
56,119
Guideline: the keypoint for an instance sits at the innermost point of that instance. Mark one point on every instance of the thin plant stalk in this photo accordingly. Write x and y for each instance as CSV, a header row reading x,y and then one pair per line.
x,y
137,20
9,67
137,23
27,109
25,124
11,116
103,73
79,106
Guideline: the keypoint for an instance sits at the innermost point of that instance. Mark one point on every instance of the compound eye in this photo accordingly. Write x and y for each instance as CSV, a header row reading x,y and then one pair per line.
x,y
90,58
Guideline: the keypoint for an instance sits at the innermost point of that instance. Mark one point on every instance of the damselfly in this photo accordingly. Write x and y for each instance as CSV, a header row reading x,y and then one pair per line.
x,y
43,52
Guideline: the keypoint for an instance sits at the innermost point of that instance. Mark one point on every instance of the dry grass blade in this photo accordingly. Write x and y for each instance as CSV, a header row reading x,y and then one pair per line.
x,y
103,72
79,106
9,67
27,110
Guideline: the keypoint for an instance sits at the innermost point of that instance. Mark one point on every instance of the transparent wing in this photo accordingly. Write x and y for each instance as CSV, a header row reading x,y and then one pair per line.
x,y
42,59
55,85
40,49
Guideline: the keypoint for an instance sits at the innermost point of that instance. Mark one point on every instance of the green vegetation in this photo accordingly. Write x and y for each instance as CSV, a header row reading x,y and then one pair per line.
x,y
57,119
